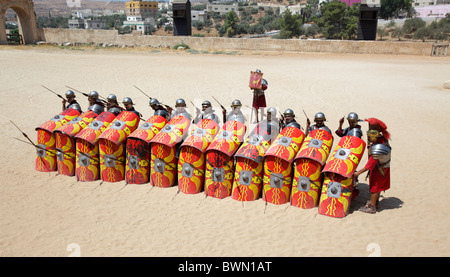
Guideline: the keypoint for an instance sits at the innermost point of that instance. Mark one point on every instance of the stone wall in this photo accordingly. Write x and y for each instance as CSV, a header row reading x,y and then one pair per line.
x,y
237,44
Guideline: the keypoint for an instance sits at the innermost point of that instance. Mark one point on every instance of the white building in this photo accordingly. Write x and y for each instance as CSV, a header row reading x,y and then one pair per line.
x,y
222,9
137,23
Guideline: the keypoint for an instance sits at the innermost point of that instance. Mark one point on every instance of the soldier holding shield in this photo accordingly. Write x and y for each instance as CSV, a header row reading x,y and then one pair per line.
x,y
259,85
73,104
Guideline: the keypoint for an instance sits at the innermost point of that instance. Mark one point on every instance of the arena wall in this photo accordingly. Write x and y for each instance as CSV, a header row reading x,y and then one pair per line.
x,y
112,37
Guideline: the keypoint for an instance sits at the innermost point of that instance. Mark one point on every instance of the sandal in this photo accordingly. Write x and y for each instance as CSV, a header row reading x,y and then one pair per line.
x,y
368,209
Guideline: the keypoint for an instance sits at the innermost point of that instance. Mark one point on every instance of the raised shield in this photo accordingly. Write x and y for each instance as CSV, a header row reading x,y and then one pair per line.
x,y
191,162
278,165
255,80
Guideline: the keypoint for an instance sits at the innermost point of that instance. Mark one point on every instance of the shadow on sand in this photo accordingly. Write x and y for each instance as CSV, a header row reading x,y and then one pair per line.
x,y
386,203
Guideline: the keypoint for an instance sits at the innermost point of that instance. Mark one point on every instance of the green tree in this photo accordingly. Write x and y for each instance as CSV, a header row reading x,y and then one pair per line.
x,y
382,32
231,22
395,8
339,21
290,25
413,24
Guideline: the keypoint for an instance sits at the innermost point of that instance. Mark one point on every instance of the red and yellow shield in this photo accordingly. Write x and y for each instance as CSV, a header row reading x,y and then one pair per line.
x,y
65,155
219,159
112,161
87,161
77,124
255,80
306,184
173,132
336,195
287,144
138,150
163,165
149,129
317,146
46,153
277,165
191,162
346,156
59,120
121,127
248,175
93,131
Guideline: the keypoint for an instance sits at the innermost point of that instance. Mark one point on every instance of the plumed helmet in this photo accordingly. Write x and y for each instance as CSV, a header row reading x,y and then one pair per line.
x,y
264,84
376,124
320,116
112,97
236,103
154,101
289,112
127,100
93,94
70,93
206,103
353,116
180,103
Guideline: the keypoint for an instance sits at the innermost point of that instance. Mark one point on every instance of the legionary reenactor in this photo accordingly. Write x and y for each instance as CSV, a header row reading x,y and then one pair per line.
x,y
73,104
95,104
207,113
159,109
353,120
235,114
288,120
259,85
128,104
378,163
112,105
319,119
180,109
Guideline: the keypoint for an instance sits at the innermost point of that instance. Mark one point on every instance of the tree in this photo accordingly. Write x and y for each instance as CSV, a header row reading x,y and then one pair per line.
x,y
231,22
395,8
382,32
413,24
290,25
397,33
339,21
422,33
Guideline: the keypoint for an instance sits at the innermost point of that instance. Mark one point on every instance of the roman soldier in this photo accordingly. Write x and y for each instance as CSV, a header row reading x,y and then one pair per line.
x,y
180,109
159,109
73,104
319,119
112,105
95,104
208,113
378,164
259,99
353,120
128,104
288,120
235,114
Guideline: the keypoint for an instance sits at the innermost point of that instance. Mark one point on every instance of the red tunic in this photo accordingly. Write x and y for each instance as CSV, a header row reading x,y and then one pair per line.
x,y
378,182
259,100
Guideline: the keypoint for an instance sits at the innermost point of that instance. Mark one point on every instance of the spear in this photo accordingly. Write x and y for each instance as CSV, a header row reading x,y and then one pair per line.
x,y
59,95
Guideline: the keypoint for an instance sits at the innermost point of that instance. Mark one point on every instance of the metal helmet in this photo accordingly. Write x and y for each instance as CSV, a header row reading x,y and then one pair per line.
x,y
93,94
206,104
353,116
154,101
320,116
289,112
180,103
264,84
70,93
127,100
272,112
236,103
355,132
112,97
258,71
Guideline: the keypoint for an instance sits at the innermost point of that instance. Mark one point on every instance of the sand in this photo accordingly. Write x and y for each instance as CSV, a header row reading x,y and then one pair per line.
x,y
44,214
